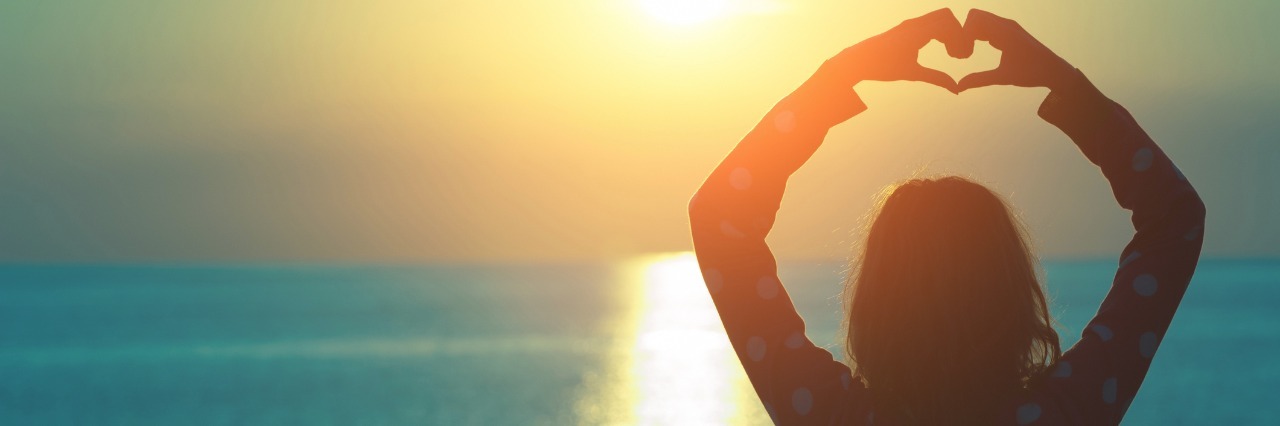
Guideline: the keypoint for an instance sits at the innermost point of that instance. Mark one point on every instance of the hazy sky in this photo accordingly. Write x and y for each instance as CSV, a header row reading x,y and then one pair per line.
x,y
398,130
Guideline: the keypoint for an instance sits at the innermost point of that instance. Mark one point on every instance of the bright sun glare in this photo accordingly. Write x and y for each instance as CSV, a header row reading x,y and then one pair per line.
x,y
684,360
686,12
676,366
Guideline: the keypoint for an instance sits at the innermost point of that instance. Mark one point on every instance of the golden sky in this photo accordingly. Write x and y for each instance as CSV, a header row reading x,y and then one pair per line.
x,y
398,130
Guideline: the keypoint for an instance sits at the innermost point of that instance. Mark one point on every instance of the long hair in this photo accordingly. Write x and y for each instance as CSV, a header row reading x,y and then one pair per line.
x,y
946,313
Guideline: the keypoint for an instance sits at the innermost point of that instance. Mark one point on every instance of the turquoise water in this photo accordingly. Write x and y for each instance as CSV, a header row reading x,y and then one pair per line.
x,y
632,342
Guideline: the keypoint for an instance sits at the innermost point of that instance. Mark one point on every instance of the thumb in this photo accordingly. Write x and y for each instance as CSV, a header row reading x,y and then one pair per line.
x,y
934,77
983,79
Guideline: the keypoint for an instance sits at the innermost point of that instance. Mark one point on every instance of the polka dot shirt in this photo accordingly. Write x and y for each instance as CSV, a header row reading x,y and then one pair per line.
x,y
800,383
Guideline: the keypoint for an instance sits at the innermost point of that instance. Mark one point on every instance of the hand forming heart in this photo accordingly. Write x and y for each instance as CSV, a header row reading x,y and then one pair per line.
x,y
892,55
1024,60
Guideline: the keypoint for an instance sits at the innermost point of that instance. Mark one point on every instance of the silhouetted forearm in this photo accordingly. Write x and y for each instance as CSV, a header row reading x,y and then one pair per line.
x,y
1100,375
730,216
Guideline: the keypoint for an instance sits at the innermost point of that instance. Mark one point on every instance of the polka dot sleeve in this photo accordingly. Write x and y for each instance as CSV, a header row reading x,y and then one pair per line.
x,y
798,382
1097,378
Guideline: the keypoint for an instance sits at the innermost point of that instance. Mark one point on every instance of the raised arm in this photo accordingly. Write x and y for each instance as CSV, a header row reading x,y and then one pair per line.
x,y
734,210
1097,378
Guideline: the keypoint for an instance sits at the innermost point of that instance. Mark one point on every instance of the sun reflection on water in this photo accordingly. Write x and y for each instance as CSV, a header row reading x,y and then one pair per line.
x,y
672,363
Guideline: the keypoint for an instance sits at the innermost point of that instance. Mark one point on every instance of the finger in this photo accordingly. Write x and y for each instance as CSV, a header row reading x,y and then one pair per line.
x,y
983,79
943,26
947,29
934,77
986,26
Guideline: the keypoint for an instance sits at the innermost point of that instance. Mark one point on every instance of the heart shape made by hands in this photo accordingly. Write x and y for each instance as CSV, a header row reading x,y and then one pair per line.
x,y
934,55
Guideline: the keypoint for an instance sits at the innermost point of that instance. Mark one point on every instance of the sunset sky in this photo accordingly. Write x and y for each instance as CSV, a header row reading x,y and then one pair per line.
x,y
532,130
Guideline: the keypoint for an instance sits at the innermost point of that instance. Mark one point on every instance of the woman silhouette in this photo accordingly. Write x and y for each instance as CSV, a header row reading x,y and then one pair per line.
x,y
947,321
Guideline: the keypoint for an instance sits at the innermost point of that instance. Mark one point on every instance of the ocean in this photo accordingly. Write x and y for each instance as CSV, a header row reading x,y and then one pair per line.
x,y
631,342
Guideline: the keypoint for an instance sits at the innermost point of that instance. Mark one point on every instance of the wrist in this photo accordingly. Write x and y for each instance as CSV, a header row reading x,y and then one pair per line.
x,y
1075,104
820,106
1064,77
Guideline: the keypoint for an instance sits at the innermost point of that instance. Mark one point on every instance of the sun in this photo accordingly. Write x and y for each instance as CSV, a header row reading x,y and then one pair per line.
x,y
686,12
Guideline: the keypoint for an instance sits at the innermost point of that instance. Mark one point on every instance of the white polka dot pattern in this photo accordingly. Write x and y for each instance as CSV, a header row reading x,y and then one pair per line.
x,y
1102,331
756,348
740,179
1147,344
1028,413
1130,258
1193,234
1145,285
795,340
1063,371
784,121
767,287
714,279
1142,159
1109,391
731,231
802,401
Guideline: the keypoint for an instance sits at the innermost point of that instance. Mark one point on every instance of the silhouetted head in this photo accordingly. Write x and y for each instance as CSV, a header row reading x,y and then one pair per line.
x,y
946,313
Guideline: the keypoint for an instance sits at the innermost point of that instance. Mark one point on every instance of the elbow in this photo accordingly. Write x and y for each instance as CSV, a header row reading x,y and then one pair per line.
x,y
1199,210
696,209
1195,208
1188,213
704,208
